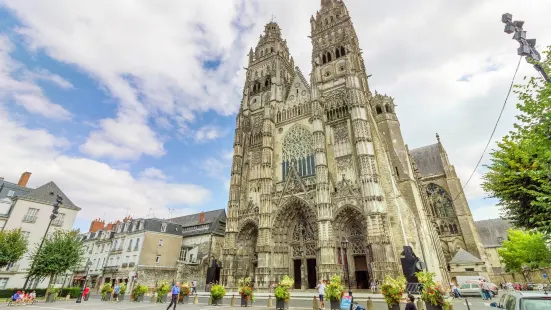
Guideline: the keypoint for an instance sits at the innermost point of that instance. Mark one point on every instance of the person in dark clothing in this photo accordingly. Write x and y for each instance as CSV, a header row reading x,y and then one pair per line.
x,y
411,303
174,298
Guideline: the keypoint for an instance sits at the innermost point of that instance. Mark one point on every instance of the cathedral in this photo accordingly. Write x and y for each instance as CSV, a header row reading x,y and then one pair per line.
x,y
321,178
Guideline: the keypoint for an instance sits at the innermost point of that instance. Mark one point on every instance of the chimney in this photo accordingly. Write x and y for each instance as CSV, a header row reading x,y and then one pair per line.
x,y
96,225
24,179
201,217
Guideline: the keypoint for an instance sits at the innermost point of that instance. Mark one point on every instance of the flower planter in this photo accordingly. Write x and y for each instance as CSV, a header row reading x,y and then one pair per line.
x,y
50,298
282,304
246,301
217,301
121,297
185,299
335,304
138,298
430,306
394,307
163,299
106,297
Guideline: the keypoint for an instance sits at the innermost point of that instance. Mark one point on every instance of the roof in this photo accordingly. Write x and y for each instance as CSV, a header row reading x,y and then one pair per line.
x,y
216,221
6,187
42,195
492,232
428,160
464,257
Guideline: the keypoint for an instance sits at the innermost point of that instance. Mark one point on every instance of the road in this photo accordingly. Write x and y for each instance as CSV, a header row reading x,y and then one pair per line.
x,y
96,304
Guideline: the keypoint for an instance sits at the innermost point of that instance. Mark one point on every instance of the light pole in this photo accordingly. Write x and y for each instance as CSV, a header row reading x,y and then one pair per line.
x,y
53,216
344,245
527,46
79,298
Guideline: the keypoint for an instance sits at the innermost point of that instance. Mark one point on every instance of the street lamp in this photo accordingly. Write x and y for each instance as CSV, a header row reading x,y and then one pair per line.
x,y
53,216
79,298
527,46
344,245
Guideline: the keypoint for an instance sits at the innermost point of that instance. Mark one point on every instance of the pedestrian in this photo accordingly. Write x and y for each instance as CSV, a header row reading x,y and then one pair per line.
x,y
321,292
85,293
194,287
174,299
411,303
116,291
455,291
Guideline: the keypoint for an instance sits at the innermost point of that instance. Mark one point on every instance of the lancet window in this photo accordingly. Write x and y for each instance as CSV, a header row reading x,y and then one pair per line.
x,y
298,152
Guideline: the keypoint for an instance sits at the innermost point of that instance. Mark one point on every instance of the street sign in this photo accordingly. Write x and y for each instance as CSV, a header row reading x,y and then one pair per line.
x,y
544,275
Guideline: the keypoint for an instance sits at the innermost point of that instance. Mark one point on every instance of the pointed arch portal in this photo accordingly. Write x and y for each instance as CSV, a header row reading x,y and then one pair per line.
x,y
247,256
295,237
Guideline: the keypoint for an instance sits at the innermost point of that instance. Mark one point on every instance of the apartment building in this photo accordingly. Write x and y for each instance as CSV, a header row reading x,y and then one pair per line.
x,y
29,209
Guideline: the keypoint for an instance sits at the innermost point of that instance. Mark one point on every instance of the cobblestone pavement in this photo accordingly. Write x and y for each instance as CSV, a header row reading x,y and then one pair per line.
x,y
96,304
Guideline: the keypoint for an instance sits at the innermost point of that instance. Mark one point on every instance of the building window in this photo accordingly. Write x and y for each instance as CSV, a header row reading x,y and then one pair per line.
x,y
469,269
163,227
158,259
137,246
129,246
183,253
102,248
10,194
3,283
160,242
141,225
59,220
25,234
31,216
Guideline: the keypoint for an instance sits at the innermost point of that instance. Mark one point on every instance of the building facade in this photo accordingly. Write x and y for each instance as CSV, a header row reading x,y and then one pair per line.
x,y
29,210
321,162
492,233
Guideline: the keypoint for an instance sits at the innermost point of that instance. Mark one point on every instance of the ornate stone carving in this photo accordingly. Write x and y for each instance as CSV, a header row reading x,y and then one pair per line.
x,y
298,143
256,157
340,133
344,162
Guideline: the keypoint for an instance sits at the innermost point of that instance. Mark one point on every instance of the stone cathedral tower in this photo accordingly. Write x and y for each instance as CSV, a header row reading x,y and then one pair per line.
x,y
312,168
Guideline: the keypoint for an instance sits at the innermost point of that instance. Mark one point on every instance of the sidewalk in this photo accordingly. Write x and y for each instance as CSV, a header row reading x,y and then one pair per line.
x,y
301,295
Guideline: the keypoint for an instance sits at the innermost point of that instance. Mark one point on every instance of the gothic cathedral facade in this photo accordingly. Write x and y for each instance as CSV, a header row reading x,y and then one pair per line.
x,y
321,177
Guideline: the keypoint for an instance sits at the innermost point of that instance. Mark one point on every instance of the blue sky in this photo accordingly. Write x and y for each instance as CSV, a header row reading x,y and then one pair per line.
x,y
129,106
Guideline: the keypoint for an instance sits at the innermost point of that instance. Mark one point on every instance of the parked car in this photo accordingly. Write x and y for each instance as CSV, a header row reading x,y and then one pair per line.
x,y
471,288
524,301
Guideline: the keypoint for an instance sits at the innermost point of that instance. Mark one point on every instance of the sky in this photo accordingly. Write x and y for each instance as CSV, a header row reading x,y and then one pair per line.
x,y
129,106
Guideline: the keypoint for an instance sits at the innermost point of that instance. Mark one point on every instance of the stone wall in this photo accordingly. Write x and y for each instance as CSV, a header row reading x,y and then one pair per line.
x,y
535,276
150,275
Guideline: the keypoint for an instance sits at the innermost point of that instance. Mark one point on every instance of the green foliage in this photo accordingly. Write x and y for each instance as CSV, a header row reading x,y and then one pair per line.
x,y
217,291
432,292
282,291
139,290
8,292
334,290
185,288
519,175
72,291
162,290
13,246
122,288
393,289
524,249
106,289
61,252
245,287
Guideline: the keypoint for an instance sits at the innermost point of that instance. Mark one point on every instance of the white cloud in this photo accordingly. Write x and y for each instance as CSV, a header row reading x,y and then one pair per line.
x,y
218,167
100,190
208,133
38,104
45,75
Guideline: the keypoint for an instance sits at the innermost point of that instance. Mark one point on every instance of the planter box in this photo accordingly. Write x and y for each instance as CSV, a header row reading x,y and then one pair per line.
x,y
217,301
282,304
121,297
246,302
162,299
394,307
429,306
185,299
138,298
335,304
50,298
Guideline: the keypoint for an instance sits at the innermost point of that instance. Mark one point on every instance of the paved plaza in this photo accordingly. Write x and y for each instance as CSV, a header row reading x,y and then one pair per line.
x,y
96,304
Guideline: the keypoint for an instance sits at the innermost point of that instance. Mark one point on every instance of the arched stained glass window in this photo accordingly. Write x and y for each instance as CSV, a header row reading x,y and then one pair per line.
x,y
440,200
298,150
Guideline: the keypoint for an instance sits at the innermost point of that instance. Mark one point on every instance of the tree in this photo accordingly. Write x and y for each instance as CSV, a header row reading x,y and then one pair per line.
x,y
61,252
13,246
524,250
519,175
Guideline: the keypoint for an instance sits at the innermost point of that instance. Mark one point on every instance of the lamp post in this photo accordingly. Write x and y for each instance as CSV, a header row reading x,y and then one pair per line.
x,y
527,46
344,245
79,298
53,216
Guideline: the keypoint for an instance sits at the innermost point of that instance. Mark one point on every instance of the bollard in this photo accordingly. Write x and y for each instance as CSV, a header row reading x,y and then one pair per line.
x,y
451,306
269,301
196,299
233,300
420,304
67,297
369,304
315,303
210,300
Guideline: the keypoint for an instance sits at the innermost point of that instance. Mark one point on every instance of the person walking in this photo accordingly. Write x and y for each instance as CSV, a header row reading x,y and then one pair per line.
x,y
321,292
174,299
411,303
194,287
116,291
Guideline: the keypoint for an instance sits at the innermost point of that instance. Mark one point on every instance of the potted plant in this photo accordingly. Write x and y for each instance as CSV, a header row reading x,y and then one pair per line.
x,y
283,292
139,292
162,291
106,291
432,293
334,292
393,290
246,291
185,290
51,294
217,293
122,291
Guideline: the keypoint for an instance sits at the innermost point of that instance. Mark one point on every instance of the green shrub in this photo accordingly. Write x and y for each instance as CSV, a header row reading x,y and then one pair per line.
x,y
74,292
122,288
139,290
334,290
8,292
217,291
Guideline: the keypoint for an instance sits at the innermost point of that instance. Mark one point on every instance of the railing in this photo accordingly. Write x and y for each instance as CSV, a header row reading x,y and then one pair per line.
x,y
30,218
414,288
110,268
132,264
118,250
124,265
58,222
